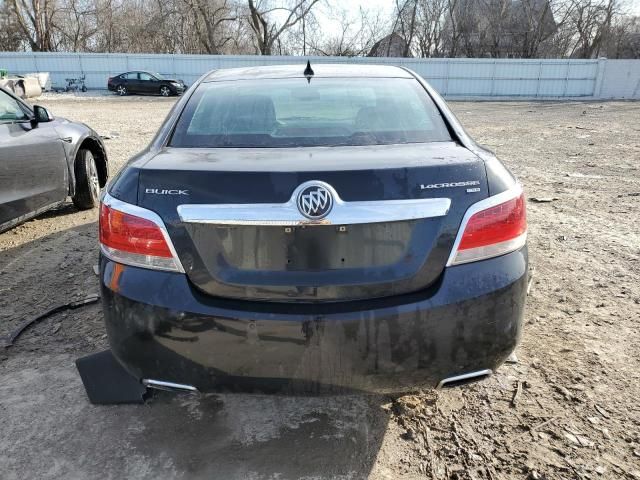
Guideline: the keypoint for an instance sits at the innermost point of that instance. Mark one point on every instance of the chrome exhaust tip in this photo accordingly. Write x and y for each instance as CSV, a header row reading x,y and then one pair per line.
x,y
464,379
168,386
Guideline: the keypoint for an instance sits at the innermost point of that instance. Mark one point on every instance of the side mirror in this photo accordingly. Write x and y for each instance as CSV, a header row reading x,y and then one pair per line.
x,y
41,115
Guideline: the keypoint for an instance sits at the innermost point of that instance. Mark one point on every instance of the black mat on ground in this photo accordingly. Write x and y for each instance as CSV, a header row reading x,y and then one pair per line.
x,y
106,382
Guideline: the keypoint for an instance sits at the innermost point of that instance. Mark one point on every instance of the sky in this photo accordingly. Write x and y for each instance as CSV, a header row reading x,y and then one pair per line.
x,y
633,6
325,11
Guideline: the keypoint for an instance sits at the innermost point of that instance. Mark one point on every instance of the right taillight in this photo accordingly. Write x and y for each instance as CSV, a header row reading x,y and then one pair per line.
x,y
492,227
135,236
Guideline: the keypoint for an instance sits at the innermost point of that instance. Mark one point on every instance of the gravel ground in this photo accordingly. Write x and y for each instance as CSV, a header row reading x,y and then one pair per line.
x,y
568,409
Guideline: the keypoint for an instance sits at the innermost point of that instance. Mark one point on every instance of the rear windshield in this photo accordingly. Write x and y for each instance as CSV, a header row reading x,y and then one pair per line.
x,y
323,112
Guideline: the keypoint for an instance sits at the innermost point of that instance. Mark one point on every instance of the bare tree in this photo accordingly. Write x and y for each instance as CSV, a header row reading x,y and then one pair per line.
x,y
355,33
473,28
430,26
405,23
266,31
211,18
35,20
75,22
104,38
540,21
624,39
453,28
10,36
591,21
495,35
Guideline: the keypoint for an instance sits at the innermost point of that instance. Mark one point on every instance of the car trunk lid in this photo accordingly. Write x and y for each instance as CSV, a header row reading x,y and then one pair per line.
x,y
396,212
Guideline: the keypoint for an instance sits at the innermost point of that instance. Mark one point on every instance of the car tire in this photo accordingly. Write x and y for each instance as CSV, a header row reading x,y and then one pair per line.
x,y
121,90
87,181
165,91
84,89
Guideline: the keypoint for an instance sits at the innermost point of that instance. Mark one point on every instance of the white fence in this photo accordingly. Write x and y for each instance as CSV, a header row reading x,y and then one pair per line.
x,y
454,78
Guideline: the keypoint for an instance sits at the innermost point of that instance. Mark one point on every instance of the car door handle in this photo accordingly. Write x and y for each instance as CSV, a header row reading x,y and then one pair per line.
x,y
67,139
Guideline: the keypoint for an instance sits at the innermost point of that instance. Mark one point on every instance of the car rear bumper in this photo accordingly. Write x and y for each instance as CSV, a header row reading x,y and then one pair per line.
x,y
160,327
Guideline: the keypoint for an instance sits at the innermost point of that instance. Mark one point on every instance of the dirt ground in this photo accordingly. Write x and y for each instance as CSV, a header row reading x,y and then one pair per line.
x,y
568,408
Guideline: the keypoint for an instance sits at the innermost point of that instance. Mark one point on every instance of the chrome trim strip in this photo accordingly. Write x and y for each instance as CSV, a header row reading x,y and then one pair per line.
x,y
513,192
147,215
342,213
170,386
466,376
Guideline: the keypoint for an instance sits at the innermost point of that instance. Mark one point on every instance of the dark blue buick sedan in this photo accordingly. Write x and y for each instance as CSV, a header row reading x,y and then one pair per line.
x,y
328,229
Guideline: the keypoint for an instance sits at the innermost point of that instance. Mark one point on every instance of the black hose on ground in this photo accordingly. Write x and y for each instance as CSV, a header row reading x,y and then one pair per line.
x,y
7,340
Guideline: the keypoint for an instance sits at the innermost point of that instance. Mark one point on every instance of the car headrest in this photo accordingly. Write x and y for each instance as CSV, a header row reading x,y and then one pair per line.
x,y
375,118
251,114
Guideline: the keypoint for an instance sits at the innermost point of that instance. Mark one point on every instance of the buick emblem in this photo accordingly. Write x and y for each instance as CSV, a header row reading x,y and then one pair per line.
x,y
315,202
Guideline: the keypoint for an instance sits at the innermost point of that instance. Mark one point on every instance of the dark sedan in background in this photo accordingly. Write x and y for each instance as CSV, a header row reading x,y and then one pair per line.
x,y
145,83
43,160
301,231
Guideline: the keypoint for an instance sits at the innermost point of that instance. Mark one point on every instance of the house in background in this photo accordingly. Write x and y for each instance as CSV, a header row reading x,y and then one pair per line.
x,y
393,45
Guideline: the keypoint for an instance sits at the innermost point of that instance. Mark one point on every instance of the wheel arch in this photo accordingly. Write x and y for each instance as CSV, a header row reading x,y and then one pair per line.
x,y
99,154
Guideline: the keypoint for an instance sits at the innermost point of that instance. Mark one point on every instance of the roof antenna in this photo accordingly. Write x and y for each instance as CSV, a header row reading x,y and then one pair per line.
x,y
308,72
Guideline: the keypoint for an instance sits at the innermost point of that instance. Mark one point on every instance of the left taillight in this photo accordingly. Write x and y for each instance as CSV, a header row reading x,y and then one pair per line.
x,y
492,227
135,236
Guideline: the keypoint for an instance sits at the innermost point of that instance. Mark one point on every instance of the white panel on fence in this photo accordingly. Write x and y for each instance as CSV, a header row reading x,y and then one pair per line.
x,y
460,87
17,64
106,65
457,78
583,70
621,79
551,88
435,69
56,63
160,64
440,84
580,88
515,71
554,70
512,88
470,70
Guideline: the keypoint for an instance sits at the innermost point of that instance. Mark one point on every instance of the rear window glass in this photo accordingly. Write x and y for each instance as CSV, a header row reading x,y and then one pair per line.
x,y
323,112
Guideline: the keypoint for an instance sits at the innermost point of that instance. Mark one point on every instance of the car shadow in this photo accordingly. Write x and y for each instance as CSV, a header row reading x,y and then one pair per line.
x,y
171,436
244,436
